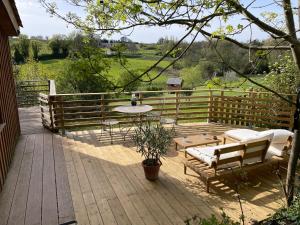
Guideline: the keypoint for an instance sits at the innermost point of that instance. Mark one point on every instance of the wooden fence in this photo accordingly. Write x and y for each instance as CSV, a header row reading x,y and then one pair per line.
x,y
28,91
252,109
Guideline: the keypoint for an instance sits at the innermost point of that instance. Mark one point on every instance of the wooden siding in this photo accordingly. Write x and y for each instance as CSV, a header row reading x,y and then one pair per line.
x,y
9,119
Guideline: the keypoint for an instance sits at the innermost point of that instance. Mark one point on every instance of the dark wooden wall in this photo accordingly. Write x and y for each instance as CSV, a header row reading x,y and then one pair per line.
x,y
9,118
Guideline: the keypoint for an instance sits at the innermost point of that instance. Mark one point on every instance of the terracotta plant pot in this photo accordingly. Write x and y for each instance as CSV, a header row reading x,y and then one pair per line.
x,y
151,172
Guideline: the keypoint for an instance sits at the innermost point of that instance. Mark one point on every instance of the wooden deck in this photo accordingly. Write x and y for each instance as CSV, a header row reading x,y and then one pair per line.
x,y
107,185
36,190
30,120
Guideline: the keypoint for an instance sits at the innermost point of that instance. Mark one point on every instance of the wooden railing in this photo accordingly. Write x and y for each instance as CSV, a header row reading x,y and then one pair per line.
x,y
28,91
72,111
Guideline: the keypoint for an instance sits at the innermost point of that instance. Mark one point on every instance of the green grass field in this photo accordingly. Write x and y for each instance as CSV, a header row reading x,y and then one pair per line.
x,y
52,68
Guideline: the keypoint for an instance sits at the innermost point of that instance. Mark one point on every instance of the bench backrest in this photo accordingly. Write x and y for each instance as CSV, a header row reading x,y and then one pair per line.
x,y
250,153
255,152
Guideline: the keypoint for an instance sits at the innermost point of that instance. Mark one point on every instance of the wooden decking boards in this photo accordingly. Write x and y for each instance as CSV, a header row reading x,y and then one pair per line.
x,y
30,120
54,180
37,190
112,178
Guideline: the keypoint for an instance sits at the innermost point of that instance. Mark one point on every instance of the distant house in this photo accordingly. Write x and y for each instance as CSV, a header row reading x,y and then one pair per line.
x,y
174,83
9,119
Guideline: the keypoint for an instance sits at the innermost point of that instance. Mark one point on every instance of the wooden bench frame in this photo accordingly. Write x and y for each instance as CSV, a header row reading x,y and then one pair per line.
x,y
234,164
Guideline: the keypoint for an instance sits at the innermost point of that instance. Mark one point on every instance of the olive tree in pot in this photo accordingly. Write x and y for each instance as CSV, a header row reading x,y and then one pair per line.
x,y
152,141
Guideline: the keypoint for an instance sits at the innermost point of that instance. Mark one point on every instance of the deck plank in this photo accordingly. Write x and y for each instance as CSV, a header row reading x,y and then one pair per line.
x,y
35,194
7,194
98,190
86,190
18,208
64,198
77,197
49,205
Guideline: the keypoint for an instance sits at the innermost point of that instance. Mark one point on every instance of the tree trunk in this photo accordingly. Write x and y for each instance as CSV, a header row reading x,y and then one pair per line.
x,y
292,168
294,156
295,47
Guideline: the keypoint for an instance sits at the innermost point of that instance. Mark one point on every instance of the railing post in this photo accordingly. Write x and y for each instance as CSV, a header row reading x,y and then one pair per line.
x,y
62,118
102,108
42,110
222,108
210,104
252,108
141,98
291,124
50,105
177,105
52,87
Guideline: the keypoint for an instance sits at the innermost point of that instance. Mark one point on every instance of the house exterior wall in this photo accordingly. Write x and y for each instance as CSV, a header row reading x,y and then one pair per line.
x,y
9,118
174,87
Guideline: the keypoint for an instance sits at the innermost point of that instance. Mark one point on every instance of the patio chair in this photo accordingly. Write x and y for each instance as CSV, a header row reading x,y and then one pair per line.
x,y
160,117
216,161
163,119
279,147
107,125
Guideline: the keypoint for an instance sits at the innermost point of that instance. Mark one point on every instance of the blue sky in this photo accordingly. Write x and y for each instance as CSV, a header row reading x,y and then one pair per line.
x,y
37,21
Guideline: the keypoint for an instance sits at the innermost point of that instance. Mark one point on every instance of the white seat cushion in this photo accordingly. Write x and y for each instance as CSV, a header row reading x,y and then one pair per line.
x,y
206,154
280,135
241,134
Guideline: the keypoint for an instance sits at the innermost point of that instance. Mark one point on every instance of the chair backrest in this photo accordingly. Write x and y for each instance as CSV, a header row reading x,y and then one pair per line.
x,y
162,103
250,153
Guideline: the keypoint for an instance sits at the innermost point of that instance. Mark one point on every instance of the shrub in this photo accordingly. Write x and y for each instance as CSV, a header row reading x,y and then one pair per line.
x,y
152,88
36,47
225,220
152,141
290,215
282,77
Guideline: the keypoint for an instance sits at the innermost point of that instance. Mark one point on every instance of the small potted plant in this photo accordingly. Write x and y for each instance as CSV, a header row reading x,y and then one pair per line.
x,y
152,141
133,100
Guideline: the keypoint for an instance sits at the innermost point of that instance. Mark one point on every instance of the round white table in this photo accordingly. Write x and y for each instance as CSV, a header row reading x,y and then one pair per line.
x,y
139,110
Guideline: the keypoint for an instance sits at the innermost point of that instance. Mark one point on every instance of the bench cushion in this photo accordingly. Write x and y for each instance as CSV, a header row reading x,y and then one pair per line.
x,y
241,134
280,135
279,140
206,154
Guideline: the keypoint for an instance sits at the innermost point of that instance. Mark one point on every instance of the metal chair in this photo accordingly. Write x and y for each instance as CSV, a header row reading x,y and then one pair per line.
x,y
159,116
109,124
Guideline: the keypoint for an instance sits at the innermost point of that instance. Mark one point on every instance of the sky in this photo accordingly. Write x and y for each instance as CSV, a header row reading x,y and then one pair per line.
x,y
36,21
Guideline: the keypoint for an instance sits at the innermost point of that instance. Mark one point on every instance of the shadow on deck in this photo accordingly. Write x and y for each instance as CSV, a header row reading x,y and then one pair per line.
x,y
105,183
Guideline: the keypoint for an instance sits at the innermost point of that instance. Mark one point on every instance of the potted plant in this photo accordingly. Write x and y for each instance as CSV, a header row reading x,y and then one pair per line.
x,y
152,141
